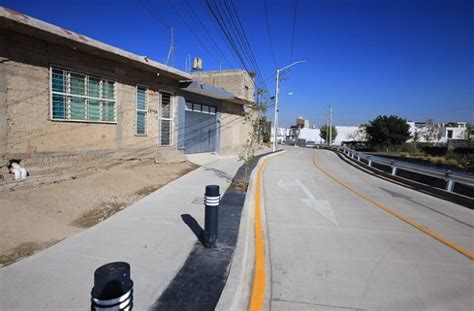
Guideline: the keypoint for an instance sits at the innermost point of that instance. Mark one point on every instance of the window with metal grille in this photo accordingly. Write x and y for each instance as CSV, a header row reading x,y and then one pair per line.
x,y
80,97
142,110
166,119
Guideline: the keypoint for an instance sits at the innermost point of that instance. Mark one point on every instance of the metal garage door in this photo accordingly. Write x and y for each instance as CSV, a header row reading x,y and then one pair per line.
x,y
200,128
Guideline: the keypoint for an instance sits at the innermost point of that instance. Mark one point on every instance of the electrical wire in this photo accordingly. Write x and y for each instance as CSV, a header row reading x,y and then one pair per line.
x,y
208,34
227,20
192,32
265,7
149,8
293,32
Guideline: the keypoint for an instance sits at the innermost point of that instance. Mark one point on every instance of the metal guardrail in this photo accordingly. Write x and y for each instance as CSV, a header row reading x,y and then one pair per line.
x,y
449,176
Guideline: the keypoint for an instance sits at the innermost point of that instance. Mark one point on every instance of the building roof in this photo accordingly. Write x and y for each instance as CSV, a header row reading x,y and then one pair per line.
x,y
21,23
223,72
200,88
197,87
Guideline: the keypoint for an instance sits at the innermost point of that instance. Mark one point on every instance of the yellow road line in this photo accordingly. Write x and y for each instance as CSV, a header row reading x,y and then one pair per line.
x,y
429,232
258,289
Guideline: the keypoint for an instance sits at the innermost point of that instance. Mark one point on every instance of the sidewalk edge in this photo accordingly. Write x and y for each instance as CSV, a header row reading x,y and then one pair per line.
x,y
237,290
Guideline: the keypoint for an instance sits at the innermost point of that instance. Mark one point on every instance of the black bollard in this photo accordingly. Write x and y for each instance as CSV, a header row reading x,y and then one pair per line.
x,y
113,288
211,201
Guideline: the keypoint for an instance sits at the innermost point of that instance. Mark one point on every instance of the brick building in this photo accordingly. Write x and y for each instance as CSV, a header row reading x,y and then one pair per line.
x,y
63,94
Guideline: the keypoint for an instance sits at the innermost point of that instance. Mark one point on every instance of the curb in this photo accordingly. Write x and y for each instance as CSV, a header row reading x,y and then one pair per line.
x,y
237,290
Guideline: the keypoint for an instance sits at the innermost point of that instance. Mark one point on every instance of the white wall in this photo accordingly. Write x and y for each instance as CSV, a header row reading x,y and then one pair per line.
x,y
347,133
440,134
310,135
344,133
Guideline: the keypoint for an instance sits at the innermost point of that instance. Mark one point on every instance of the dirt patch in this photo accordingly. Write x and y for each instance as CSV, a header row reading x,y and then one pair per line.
x,y
239,186
23,250
96,215
31,218
147,190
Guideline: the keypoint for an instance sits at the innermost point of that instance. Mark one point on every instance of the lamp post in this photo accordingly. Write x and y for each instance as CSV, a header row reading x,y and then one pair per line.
x,y
277,92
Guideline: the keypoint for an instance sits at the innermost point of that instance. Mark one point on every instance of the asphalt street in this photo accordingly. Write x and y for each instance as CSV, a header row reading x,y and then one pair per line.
x,y
330,249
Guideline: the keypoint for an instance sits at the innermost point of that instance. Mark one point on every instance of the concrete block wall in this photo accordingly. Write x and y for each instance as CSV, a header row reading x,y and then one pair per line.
x,y
235,130
238,82
25,101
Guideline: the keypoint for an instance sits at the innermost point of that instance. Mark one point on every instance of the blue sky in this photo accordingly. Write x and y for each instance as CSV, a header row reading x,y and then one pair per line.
x,y
367,58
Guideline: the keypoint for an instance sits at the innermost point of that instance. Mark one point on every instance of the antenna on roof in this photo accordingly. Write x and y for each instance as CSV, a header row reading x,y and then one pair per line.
x,y
171,50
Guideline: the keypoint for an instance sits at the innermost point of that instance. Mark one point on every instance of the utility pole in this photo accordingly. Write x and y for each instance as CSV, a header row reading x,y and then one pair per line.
x,y
275,115
171,49
327,131
277,92
330,125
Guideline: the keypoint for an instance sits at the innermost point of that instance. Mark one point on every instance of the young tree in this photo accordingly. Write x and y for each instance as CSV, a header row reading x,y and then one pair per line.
x,y
431,131
252,117
359,134
324,132
386,131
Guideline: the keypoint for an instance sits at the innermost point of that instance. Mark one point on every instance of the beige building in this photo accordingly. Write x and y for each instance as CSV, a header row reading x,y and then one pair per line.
x,y
63,94
238,82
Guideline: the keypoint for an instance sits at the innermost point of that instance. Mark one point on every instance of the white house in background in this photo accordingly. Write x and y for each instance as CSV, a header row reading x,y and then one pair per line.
x,y
454,132
436,132
282,134
348,133
310,135
344,134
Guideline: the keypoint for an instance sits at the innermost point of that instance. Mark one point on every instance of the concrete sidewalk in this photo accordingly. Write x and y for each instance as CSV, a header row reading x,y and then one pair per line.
x,y
150,235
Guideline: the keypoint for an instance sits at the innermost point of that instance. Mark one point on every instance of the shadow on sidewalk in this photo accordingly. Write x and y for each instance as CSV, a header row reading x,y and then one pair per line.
x,y
194,226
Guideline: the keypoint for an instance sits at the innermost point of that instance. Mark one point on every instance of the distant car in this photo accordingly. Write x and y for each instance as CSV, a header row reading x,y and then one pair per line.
x,y
310,144
301,142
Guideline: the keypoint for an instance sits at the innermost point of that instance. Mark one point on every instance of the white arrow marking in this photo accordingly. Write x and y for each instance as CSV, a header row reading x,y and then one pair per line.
x,y
323,207
287,184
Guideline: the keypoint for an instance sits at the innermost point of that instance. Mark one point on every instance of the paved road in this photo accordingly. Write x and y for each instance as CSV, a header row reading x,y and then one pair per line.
x,y
330,249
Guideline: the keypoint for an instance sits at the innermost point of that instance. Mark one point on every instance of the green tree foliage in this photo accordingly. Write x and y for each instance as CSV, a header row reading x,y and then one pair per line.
x,y
386,131
324,132
470,132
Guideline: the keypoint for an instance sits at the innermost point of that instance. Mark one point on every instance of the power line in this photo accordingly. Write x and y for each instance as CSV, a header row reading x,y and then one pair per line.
x,y
229,23
208,34
192,32
219,21
269,32
149,8
293,32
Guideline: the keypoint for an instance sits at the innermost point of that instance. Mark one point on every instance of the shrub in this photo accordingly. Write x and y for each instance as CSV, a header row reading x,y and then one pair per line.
x,y
266,138
466,161
434,150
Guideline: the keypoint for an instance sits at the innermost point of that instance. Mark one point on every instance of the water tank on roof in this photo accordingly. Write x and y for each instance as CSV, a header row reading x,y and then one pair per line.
x,y
197,63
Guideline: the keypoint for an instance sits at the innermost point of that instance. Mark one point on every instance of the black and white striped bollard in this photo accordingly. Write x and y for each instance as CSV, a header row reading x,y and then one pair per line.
x,y
211,201
113,288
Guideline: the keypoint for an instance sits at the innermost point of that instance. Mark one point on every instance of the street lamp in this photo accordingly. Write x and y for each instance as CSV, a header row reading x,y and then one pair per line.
x,y
277,92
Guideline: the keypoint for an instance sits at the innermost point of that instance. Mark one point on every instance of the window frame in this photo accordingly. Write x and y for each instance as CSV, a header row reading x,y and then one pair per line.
x,y
67,95
145,111
161,118
449,133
